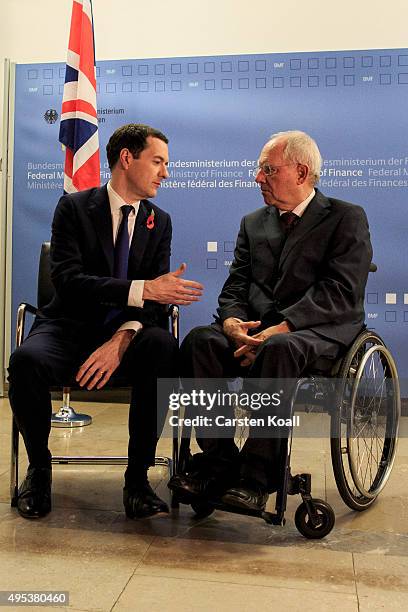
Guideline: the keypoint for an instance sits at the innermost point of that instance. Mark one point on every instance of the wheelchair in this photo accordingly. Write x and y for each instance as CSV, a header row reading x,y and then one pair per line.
x,y
360,392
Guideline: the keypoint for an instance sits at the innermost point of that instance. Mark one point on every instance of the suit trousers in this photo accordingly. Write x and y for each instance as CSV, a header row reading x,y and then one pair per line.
x,y
207,353
51,356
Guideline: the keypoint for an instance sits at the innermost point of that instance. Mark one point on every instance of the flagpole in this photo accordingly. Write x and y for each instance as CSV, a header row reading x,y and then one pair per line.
x,y
79,136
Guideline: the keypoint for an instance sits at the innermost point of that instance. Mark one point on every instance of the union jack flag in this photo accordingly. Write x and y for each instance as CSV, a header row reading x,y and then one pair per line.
x,y
79,123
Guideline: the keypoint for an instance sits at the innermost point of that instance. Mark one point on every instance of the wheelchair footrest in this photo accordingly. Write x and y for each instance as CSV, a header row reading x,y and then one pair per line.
x,y
268,517
205,507
301,484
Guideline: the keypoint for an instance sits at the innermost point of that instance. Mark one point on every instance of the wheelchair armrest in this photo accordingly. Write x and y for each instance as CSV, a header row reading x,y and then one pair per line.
x,y
22,310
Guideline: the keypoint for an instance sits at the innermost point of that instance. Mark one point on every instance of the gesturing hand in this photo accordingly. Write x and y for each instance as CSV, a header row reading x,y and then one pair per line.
x,y
172,289
99,367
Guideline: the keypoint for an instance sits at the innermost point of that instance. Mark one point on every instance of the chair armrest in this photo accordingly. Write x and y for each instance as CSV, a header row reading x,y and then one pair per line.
x,y
21,316
174,314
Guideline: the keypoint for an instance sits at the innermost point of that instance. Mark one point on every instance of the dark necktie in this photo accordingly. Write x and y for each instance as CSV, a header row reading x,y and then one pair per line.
x,y
121,253
288,220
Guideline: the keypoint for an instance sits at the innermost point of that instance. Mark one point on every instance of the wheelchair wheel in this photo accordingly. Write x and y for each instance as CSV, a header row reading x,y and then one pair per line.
x,y
324,519
202,509
364,422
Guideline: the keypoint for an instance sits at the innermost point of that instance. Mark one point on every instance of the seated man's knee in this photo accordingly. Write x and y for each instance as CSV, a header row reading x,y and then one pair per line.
x,y
199,339
154,353
161,341
23,361
278,341
279,347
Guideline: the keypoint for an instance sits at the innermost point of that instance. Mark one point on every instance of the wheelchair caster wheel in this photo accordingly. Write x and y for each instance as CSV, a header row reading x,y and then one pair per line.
x,y
202,509
324,519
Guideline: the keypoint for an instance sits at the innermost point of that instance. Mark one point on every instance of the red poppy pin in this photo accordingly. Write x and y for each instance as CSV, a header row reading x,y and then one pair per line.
x,y
150,221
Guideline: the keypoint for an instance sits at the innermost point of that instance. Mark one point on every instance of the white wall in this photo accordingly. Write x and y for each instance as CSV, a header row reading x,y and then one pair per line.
x,y
37,30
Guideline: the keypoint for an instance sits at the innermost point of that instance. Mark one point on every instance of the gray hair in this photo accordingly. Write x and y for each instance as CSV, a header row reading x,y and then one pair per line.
x,y
301,148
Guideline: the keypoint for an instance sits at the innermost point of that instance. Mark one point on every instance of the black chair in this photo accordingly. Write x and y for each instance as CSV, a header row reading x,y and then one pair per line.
x,y
45,291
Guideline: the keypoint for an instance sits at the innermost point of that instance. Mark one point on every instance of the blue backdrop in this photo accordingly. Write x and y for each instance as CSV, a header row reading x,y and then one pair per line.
x,y
218,112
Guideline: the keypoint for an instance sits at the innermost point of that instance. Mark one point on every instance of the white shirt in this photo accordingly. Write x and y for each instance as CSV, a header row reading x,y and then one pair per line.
x,y
300,208
135,297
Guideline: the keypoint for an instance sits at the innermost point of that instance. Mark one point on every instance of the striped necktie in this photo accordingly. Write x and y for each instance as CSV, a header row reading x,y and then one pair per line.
x,y
288,220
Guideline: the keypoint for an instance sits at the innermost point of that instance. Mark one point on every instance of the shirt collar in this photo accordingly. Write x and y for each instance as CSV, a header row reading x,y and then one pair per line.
x,y
300,208
116,201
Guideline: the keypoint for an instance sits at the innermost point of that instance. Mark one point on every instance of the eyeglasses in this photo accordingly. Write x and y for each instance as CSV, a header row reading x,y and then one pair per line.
x,y
269,170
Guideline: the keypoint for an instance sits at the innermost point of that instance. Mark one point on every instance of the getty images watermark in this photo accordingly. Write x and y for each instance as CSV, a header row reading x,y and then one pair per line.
x,y
358,407
218,407
201,400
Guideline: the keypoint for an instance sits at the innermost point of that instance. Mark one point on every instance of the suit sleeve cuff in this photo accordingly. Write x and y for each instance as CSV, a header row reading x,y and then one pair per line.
x,y
135,297
136,326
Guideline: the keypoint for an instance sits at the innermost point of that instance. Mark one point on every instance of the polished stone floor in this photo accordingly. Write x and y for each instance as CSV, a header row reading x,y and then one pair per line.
x,y
223,563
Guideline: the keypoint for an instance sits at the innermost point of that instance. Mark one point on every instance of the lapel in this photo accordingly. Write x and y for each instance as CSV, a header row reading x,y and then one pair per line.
x,y
140,238
317,210
273,230
100,213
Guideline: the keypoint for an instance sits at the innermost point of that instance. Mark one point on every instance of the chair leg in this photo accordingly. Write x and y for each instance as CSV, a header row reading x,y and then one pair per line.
x,y
166,461
15,438
66,416
174,501
175,453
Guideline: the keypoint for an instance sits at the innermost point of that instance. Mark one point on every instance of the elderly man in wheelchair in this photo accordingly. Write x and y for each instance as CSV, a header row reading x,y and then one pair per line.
x,y
291,308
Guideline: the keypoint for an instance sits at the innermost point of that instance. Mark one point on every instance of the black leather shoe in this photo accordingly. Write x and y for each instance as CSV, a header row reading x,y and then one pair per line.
x,y
189,487
248,496
142,502
34,494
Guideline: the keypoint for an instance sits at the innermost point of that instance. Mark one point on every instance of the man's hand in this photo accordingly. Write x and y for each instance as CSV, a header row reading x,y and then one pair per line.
x,y
248,349
237,331
99,367
171,289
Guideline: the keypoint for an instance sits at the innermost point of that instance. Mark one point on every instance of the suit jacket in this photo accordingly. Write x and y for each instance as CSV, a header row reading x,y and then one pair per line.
x,y
315,279
82,254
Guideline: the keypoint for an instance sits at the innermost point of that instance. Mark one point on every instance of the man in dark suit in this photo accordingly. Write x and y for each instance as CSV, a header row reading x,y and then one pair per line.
x,y
110,252
295,293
